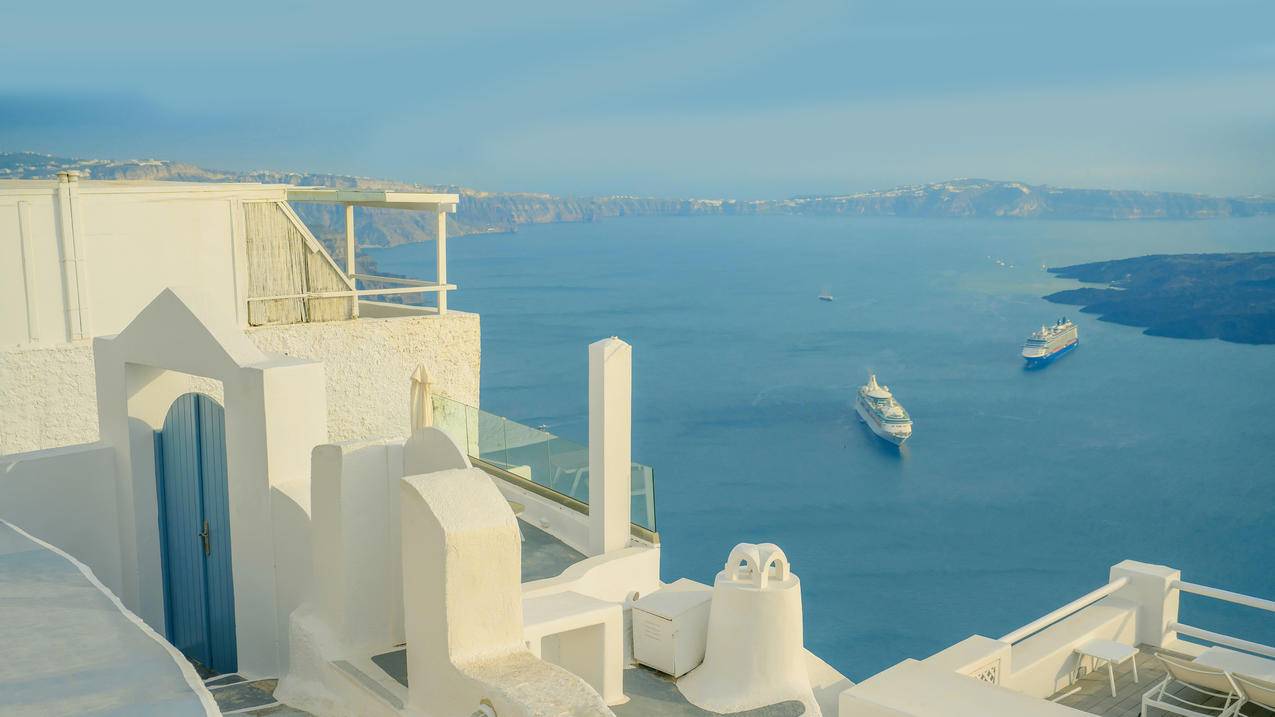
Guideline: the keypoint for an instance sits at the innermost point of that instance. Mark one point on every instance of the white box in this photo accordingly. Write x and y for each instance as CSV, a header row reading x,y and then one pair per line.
x,y
670,627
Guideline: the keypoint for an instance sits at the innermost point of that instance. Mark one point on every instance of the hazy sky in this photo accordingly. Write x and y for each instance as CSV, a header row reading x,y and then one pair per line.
x,y
742,99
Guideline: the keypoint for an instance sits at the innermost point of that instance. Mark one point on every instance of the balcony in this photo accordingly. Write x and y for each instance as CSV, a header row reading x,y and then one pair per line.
x,y
292,279
539,461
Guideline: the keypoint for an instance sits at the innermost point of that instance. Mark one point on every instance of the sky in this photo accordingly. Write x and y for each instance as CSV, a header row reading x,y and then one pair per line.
x,y
701,99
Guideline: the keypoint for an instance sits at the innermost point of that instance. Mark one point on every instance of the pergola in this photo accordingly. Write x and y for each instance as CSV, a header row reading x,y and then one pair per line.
x,y
439,204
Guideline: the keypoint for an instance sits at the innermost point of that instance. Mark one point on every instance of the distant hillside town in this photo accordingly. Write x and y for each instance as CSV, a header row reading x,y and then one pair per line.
x,y
482,212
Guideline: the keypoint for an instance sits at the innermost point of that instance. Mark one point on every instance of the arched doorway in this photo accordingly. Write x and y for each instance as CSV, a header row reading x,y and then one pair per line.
x,y
194,527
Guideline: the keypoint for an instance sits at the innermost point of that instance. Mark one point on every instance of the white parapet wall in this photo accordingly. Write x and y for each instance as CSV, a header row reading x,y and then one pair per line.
x,y
66,497
358,576
1041,664
370,361
47,396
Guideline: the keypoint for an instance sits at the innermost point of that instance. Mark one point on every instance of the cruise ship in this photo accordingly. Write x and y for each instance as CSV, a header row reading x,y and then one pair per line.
x,y
884,415
243,485
1050,342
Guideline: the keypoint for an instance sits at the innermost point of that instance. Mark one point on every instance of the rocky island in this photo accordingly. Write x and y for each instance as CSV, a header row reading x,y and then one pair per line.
x,y
1189,296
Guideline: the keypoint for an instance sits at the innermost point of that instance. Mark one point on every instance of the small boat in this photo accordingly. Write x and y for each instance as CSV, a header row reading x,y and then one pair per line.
x,y
825,296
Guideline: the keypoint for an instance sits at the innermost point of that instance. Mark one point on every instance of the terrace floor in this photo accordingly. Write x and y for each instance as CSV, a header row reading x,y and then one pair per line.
x,y
544,556
250,698
650,693
1092,692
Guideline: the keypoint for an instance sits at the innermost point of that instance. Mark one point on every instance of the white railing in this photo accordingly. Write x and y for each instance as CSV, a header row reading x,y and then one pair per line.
x,y
411,286
1225,595
1067,610
1218,638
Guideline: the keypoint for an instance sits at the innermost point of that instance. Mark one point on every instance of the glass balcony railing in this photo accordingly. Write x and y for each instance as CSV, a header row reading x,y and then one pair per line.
x,y
536,455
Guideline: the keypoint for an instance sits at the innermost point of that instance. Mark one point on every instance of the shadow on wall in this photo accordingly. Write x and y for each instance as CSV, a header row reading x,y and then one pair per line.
x,y
290,514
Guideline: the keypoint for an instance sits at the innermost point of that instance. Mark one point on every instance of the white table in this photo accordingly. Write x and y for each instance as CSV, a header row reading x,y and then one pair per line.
x,y
1243,663
1112,653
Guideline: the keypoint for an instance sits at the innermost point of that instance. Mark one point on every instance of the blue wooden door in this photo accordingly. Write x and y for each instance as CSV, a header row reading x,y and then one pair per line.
x,y
194,522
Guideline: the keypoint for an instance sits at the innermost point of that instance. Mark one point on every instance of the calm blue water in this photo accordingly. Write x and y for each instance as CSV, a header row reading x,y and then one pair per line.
x,y
1018,489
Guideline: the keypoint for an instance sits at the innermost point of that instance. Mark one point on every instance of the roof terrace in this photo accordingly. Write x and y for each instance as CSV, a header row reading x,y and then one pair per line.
x,y
1043,668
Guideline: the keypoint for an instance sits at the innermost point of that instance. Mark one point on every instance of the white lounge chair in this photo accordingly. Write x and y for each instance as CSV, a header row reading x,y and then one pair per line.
x,y
1255,691
1203,680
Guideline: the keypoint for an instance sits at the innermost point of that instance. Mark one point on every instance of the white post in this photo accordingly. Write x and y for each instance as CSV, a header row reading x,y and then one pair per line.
x,y
73,275
441,216
610,444
351,268
351,258
1151,587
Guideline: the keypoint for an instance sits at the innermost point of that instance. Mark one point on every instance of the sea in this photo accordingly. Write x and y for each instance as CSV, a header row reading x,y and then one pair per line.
x,y
1018,489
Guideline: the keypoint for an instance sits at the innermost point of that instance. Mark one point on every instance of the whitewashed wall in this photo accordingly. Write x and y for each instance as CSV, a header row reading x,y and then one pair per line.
x,y
47,393
134,241
369,364
46,397
80,482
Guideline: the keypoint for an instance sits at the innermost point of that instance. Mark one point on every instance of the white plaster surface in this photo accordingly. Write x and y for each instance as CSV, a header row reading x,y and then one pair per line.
x,y
1151,588
612,577
311,647
581,634
755,656
66,497
369,364
355,514
921,690
275,410
71,648
131,240
610,444
461,587
47,396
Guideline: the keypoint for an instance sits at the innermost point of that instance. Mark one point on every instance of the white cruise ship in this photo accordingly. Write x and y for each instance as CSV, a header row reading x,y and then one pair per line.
x,y
1050,342
884,415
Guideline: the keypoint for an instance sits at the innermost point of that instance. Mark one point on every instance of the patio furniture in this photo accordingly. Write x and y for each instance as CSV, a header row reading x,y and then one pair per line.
x,y
1238,663
1256,691
1111,652
1204,680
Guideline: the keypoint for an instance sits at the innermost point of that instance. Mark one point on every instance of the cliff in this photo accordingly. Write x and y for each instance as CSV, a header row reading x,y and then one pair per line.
x,y
1193,296
490,212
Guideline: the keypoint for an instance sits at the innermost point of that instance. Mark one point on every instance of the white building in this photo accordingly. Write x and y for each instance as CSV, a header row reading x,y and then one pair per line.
x,y
231,457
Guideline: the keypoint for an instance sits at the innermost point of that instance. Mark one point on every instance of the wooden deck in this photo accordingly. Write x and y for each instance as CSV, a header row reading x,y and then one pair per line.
x,y
1092,692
